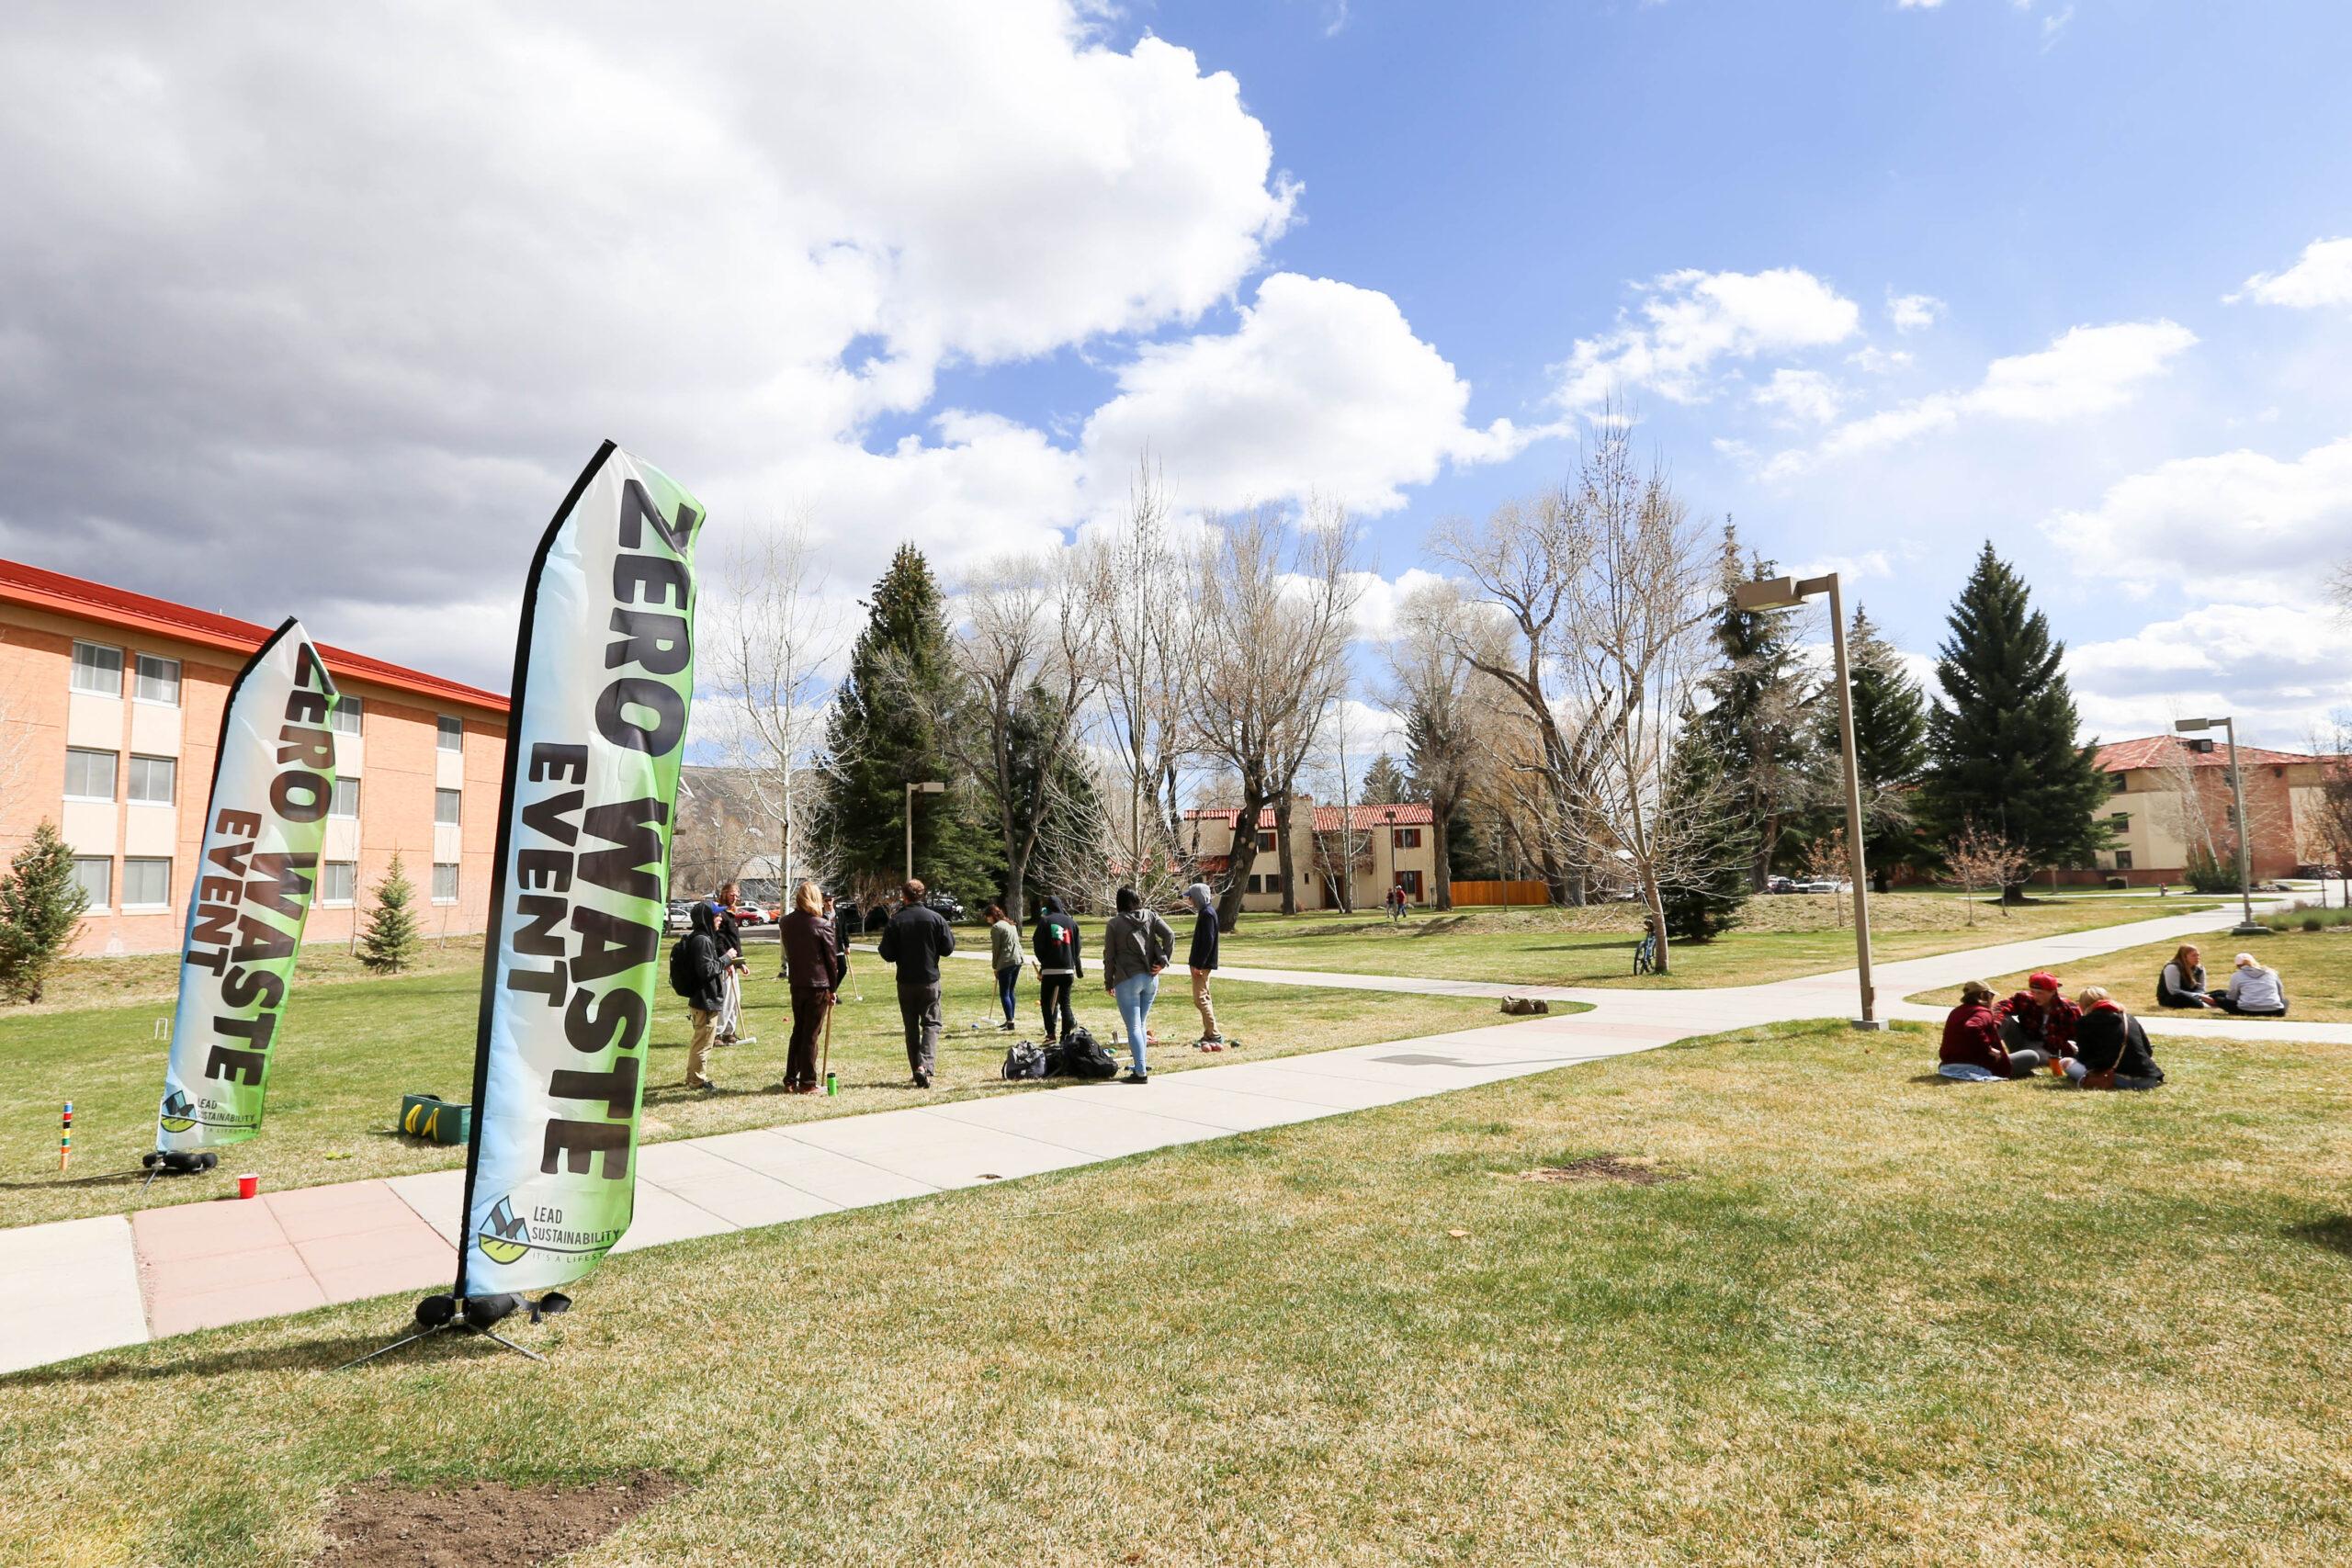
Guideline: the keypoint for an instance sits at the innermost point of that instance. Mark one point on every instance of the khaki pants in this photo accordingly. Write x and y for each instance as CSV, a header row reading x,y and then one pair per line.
x,y
1201,1000
698,1052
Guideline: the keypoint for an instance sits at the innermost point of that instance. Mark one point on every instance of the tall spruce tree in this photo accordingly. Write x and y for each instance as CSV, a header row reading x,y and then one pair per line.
x,y
1758,717
1889,752
40,905
1384,783
2002,752
1710,883
388,944
880,738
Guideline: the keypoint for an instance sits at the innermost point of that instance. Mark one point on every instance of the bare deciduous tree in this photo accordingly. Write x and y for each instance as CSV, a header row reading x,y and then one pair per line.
x,y
1431,685
1144,583
1825,860
1982,857
773,638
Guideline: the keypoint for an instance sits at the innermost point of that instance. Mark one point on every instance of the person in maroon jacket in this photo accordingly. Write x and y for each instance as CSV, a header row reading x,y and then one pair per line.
x,y
814,960
1973,1038
2039,1017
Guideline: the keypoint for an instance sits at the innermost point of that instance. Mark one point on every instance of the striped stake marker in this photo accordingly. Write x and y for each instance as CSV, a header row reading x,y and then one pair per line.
x,y
65,1139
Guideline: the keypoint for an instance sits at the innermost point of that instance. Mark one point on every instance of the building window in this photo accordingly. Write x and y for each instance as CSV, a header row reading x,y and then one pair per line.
x,y
89,775
344,720
2123,859
96,874
153,781
159,681
146,883
444,807
450,734
337,879
445,883
1408,838
97,670
1265,841
345,801
2121,821
1412,881
2117,784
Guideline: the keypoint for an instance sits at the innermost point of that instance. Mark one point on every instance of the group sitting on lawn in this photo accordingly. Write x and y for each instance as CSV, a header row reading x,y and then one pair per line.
x,y
2254,991
2090,1041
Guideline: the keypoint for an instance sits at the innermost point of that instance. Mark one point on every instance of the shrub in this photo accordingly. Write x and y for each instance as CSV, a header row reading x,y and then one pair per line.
x,y
2208,875
40,905
2306,918
389,944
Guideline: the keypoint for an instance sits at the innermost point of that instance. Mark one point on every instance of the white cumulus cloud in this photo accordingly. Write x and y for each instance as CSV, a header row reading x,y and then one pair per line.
x,y
1685,324
1909,313
1805,395
2278,670
2321,276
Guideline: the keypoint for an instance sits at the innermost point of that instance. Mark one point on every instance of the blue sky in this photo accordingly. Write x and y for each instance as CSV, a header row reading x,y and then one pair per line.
x,y
354,293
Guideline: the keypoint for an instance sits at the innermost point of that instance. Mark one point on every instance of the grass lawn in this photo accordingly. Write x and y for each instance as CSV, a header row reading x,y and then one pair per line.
x,y
1785,935
352,1049
1873,1318
2315,967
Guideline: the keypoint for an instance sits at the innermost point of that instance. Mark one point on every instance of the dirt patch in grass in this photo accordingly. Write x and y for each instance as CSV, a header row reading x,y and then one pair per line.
x,y
1602,1168
482,1524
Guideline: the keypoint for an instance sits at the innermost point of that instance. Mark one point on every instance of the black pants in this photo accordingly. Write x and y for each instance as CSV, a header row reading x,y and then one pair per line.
x,y
1053,991
808,1018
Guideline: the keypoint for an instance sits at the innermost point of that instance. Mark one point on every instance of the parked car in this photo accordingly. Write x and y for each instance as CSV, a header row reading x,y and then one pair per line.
x,y
680,916
946,904
847,916
1824,885
1779,885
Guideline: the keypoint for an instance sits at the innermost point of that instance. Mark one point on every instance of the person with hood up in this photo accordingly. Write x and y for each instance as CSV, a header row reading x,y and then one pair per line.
x,y
2111,1048
1972,1049
1137,945
1061,962
1202,960
698,973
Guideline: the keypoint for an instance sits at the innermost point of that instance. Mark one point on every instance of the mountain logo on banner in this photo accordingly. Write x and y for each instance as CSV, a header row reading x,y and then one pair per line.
x,y
177,1114
507,1236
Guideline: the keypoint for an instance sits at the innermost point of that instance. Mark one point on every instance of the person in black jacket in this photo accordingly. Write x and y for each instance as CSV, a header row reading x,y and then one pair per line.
x,y
1061,963
698,974
915,940
2111,1048
1201,961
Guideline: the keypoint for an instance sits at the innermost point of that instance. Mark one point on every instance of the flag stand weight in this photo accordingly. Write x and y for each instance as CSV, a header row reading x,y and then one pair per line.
x,y
477,1315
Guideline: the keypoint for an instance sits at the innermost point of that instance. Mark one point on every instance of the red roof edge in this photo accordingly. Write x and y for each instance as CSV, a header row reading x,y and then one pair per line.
x,y
48,590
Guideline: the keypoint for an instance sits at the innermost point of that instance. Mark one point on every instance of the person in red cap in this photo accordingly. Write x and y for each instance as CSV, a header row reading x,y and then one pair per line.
x,y
2039,1017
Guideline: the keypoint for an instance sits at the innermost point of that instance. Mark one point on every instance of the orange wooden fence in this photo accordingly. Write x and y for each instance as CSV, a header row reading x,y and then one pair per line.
x,y
1497,893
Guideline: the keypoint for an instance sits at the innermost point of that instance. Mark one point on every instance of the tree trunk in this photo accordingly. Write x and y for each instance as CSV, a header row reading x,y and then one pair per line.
x,y
1239,859
1283,854
1441,847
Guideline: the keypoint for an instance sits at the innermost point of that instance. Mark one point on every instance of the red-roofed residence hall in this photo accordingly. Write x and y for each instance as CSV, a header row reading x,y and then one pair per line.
x,y
1389,844
2164,784
109,716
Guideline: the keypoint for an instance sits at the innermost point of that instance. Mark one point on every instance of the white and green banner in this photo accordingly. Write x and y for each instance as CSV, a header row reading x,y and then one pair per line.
x,y
604,677
273,777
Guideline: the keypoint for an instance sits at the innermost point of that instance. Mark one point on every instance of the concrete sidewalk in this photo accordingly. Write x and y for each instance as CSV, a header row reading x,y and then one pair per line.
x,y
84,1285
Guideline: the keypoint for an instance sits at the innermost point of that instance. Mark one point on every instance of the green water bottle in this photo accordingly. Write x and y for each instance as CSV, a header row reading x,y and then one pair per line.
x,y
832,1084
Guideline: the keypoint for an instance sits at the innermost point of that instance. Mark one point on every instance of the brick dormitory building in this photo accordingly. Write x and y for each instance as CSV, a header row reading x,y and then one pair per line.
x,y
110,706
2163,784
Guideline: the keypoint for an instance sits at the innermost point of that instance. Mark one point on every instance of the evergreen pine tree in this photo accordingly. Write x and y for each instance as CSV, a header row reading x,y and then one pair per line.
x,y
881,736
2001,748
1757,716
1384,783
389,942
1889,752
40,905
1703,895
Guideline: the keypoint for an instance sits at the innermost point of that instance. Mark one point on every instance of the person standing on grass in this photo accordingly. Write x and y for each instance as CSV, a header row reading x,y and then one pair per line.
x,y
1202,960
914,942
698,974
2112,1048
2181,983
1973,1039
1004,953
2039,1017
1137,945
2254,991
813,955
1061,963
729,934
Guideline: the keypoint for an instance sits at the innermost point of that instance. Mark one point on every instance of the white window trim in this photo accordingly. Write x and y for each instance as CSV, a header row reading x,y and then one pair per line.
x,y
357,789
131,799
74,670
459,750
453,897
131,671
121,783
461,821
106,909
353,707
327,903
165,906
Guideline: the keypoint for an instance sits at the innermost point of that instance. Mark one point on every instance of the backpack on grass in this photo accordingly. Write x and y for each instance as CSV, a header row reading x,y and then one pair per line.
x,y
1078,1056
1025,1060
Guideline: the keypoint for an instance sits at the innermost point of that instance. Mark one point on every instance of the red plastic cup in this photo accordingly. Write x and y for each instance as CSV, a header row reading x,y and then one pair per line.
x,y
249,1187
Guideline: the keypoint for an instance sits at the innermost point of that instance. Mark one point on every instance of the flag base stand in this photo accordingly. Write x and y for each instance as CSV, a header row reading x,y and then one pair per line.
x,y
175,1162
472,1314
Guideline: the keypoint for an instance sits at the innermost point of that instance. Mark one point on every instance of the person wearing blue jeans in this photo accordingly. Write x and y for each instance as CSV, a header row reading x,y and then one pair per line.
x,y
1136,948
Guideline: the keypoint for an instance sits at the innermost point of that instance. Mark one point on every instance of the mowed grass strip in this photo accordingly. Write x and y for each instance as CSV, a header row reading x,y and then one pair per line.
x,y
1783,936
1878,1319
351,1049
2314,967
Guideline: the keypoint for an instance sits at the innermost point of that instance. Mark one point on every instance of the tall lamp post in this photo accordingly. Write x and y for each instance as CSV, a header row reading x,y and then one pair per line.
x,y
2228,727
914,788
1780,593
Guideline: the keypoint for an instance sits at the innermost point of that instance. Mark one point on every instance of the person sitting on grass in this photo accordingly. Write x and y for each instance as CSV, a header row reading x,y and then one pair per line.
x,y
2111,1048
1972,1049
2181,983
2039,1018
2254,991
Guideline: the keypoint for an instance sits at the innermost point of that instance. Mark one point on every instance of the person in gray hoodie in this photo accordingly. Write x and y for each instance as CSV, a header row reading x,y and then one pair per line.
x,y
1202,960
1135,947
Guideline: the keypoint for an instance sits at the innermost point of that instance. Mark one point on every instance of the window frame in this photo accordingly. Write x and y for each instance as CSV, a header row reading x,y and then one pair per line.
x,y
74,677
103,905
456,818
138,662
114,775
443,736
2123,859
351,707
131,777
1405,838
333,813
146,904
348,899
457,881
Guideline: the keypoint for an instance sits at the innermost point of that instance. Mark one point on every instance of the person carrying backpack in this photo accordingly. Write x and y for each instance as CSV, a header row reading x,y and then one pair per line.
x,y
698,974
1136,948
1202,960
1061,962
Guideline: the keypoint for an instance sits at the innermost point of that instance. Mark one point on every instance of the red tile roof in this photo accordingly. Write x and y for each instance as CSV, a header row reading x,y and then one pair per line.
x,y
2159,751
1362,818
45,590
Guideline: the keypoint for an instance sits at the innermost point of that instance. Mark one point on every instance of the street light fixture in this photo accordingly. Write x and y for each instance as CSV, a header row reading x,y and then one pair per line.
x,y
914,788
1780,593
2228,727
